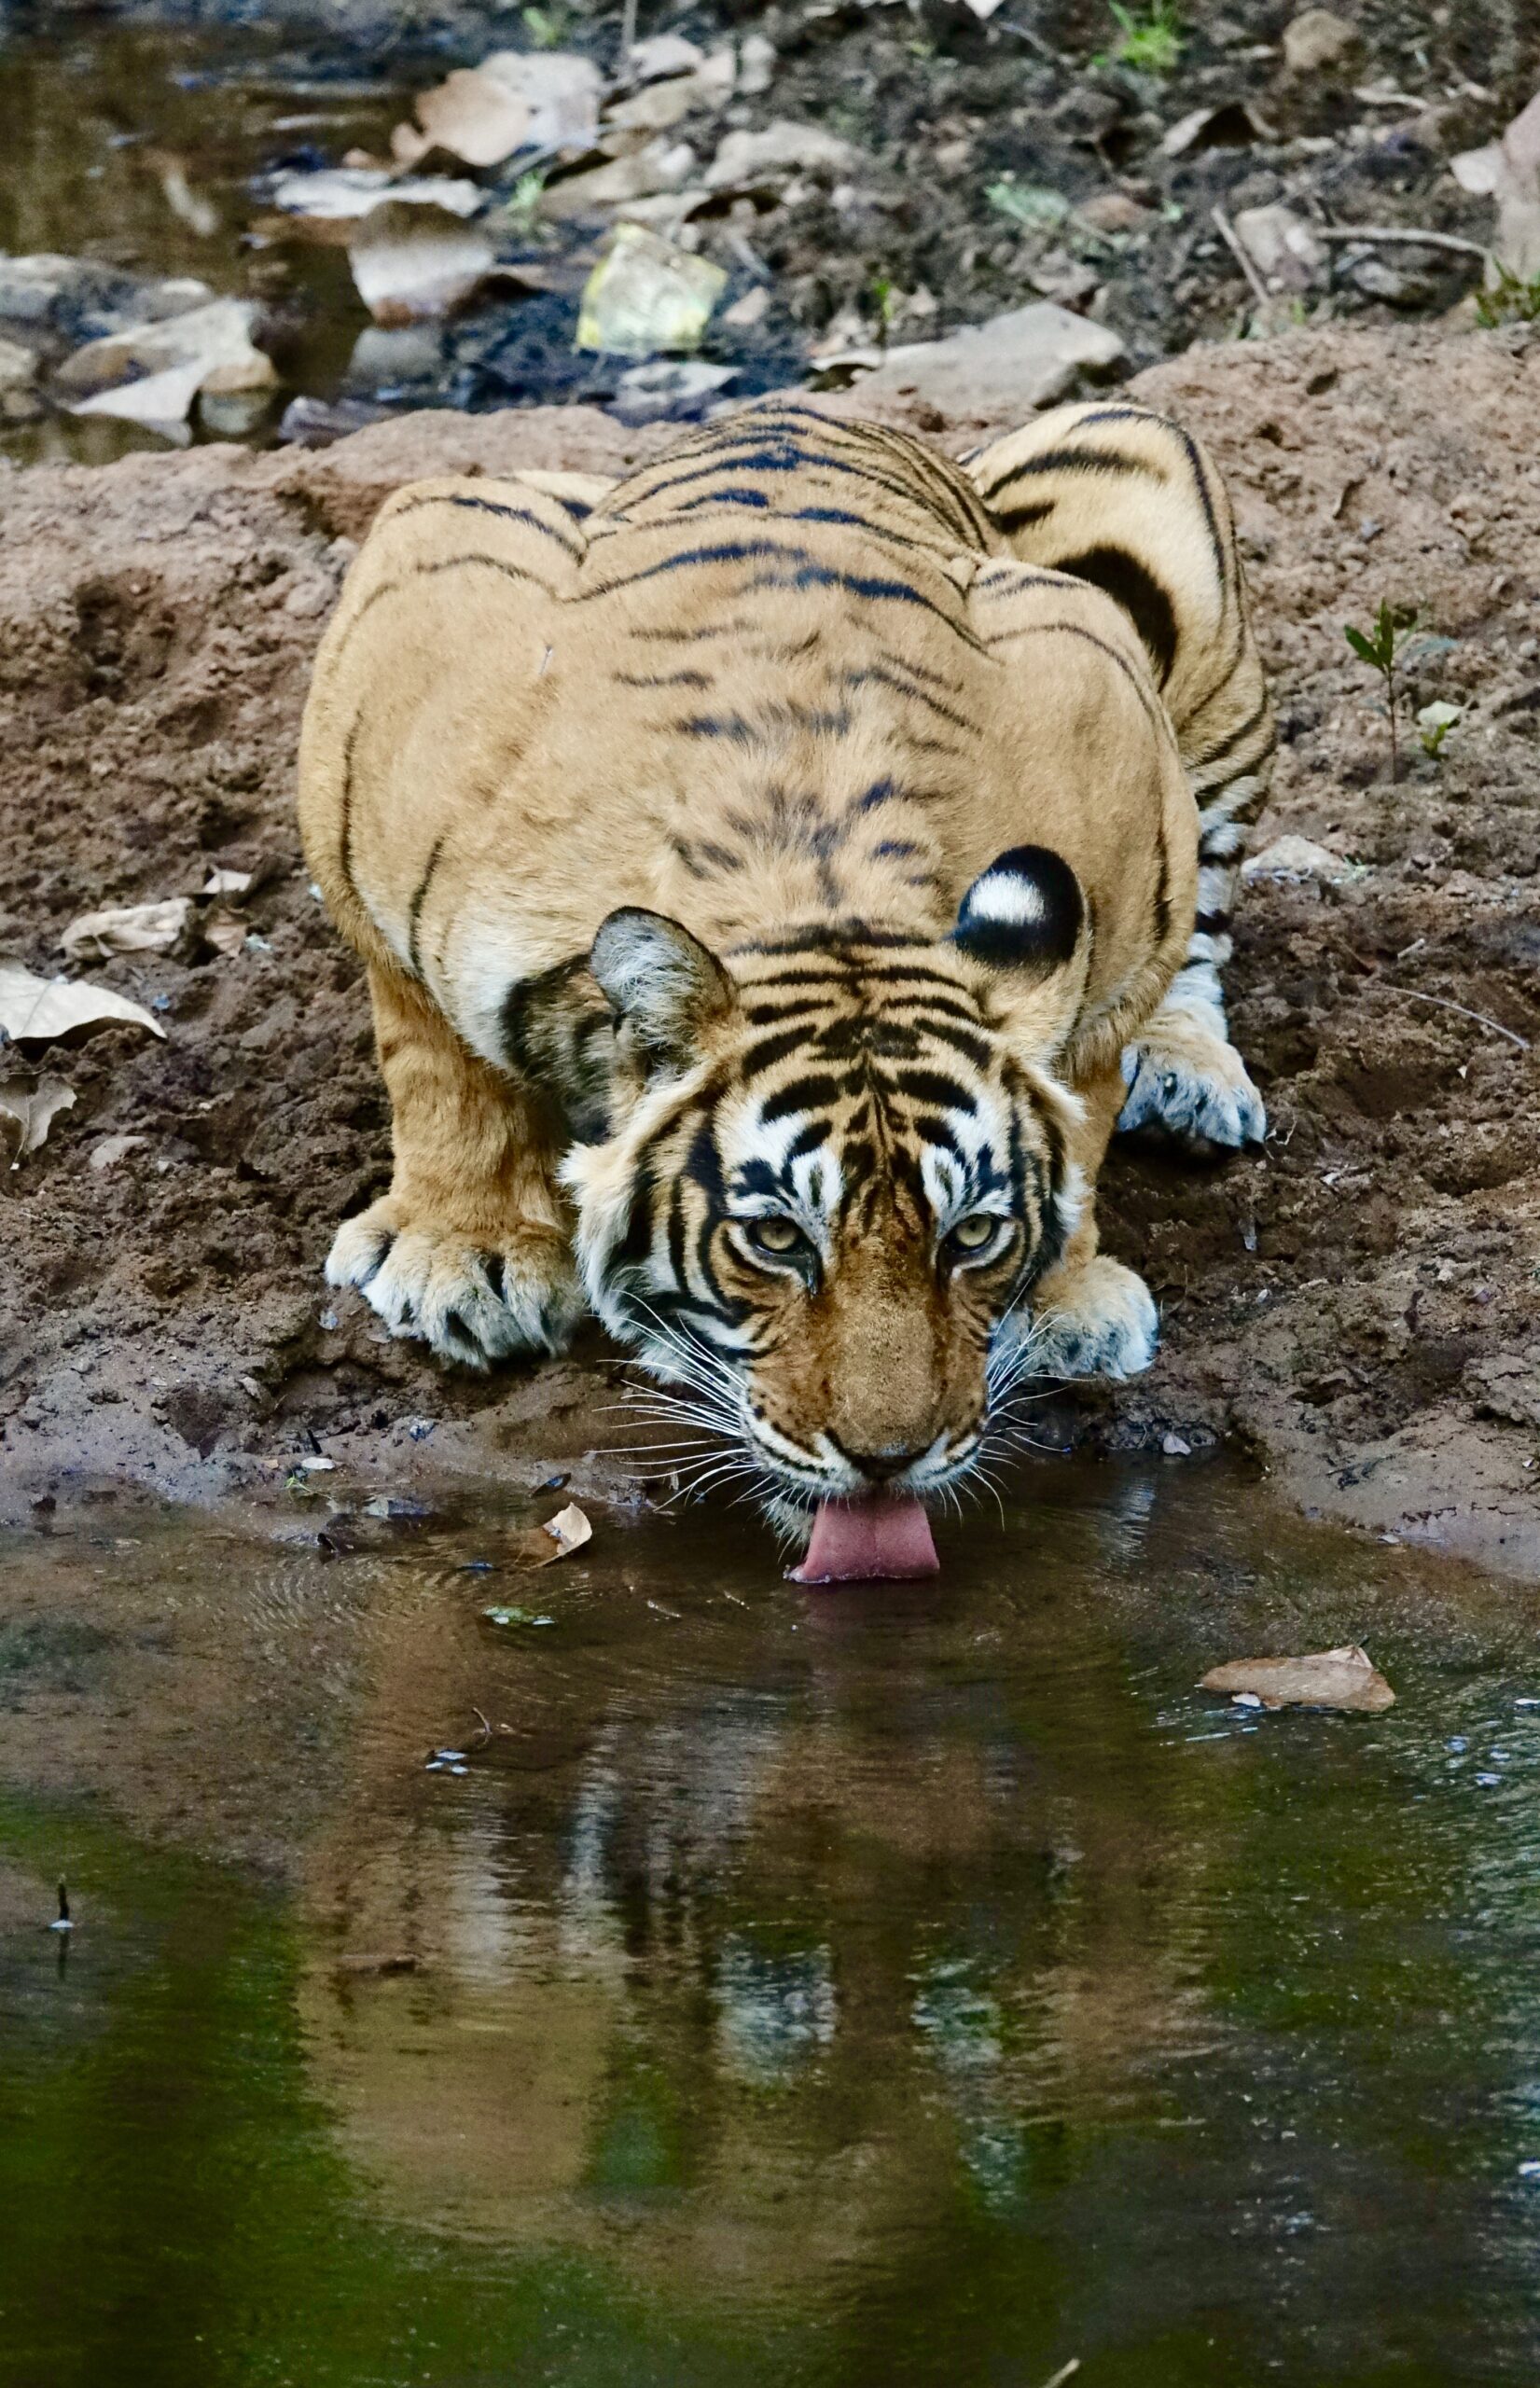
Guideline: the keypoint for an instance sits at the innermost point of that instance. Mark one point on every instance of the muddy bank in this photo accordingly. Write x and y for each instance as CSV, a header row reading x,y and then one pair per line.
x,y
1358,1307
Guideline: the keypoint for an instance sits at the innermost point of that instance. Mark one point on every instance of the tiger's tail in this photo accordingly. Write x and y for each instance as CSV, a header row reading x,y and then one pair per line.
x,y
1118,494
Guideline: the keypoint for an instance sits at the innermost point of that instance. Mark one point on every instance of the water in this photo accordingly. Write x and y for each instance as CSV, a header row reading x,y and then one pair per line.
x,y
918,1985
136,148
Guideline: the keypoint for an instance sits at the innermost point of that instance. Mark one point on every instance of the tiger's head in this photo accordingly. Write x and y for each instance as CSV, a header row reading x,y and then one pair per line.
x,y
826,1169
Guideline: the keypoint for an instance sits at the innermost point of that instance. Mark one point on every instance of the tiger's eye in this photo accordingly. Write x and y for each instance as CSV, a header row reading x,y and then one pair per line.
x,y
775,1234
971,1235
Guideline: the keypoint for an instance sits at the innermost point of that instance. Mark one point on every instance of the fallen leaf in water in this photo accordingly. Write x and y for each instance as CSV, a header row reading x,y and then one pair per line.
x,y
539,1544
32,1106
341,194
1341,1678
128,928
41,1012
416,264
504,1616
110,1150
645,295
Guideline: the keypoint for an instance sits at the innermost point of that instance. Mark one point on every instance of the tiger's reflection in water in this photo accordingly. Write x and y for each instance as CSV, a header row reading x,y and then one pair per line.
x,y
763,1939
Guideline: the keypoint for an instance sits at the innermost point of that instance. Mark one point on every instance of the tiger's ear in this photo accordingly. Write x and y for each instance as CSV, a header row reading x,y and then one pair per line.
x,y
662,982
1025,919
1025,912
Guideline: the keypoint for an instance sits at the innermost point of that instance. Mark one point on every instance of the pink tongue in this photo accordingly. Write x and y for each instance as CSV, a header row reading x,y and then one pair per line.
x,y
855,1541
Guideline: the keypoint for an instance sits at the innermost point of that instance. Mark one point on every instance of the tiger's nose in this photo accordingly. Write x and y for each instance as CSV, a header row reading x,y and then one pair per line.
x,y
880,1466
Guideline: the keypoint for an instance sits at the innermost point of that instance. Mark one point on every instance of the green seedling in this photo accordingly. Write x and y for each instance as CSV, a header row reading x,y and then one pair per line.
x,y
1434,723
1382,648
1508,300
1152,41
522,205
885,301
543,27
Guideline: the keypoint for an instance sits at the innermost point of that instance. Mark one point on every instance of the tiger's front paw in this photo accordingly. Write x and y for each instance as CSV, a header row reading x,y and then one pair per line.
x,y
474,1302
1193,1085
1099,1321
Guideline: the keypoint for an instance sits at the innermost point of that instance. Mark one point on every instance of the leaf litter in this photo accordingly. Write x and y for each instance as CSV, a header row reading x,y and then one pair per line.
x,y
44,1011
1345,1678
32,1106
541,1546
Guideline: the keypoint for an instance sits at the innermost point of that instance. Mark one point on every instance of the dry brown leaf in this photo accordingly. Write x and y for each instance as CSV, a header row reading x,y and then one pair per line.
x,y
1341,1678
476,117
32,1106
538,1546
226,932
40,1011
226,882
126,928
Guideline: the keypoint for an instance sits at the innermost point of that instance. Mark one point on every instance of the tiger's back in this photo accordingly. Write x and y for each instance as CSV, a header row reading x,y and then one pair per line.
x,y
788,844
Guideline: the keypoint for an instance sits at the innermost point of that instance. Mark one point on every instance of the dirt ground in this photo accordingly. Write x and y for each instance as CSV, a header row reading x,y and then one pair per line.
x,y
1358,1307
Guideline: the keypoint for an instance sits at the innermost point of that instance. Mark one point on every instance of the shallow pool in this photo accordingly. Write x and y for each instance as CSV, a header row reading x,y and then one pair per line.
x,y
728,1983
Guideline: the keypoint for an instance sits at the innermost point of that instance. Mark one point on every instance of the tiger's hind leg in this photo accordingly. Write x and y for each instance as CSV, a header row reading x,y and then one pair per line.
x,y
1117,496
470,1248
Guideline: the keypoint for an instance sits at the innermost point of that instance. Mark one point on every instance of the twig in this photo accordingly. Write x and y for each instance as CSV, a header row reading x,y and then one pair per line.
x,y
1395,235
1415,995
1065,2371
1034,41
628,32
1233,241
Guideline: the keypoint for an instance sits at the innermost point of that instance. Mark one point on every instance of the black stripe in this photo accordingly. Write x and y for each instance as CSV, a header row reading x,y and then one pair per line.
x,y
802,1095
807,572
886,679
1069,460
1227,746
662,679
1140,594
415,913
344,823
770,1049
574,547
933,1086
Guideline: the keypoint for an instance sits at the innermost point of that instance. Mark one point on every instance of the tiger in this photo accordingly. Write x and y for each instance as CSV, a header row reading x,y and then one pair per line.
x,y
779,872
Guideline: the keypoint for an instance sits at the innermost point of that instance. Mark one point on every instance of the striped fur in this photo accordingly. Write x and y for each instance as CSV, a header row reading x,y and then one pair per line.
x,y
775,885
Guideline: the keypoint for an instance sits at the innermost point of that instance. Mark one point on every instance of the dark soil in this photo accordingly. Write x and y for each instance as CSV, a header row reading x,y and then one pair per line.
x,y
1359,1307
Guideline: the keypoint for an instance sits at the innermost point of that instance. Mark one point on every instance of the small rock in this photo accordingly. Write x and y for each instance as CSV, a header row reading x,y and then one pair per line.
x,y
1175,1447
669,391
1282,248
661,55
748,311
109,1150
1295,859
755,65
748,160
315,423
663,166
1115,210
1026,358
18,366
1318,43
